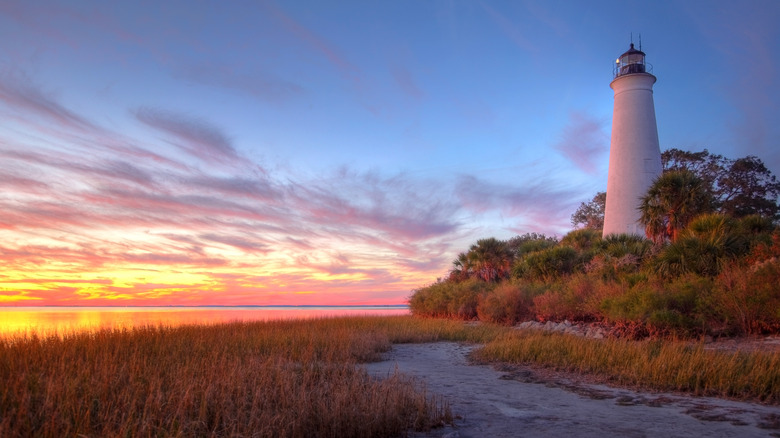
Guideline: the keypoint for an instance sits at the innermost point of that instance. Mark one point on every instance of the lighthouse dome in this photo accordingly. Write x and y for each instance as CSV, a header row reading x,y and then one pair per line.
x,y
630,62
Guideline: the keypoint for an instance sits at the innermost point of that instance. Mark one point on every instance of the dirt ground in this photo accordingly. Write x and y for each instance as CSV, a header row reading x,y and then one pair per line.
x,y
514,401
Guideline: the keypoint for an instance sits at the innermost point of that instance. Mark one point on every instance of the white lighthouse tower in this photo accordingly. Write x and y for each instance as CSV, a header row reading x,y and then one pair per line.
x,y
634,154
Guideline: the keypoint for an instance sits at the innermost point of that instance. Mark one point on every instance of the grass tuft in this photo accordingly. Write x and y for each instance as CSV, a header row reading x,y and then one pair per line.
x,y
651,364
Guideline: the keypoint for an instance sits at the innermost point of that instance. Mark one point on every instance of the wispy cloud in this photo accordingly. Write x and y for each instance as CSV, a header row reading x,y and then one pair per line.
x,y
512,31
17,91
542,205
316,42
259,84
584,142
193,135
397,207
406,81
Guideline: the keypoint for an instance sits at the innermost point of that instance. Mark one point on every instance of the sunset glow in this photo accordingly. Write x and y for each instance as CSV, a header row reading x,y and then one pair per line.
x,y
327,152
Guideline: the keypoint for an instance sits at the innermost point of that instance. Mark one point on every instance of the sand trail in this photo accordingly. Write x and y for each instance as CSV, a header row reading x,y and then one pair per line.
x,y
518,402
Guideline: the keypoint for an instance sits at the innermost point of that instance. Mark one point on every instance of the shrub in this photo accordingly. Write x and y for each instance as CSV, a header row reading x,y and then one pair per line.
x,y
709,243
547,264
621,245
766,250
663,309
507,304
583,239
608,267
755,225
530,246
449,299
747,299
568,299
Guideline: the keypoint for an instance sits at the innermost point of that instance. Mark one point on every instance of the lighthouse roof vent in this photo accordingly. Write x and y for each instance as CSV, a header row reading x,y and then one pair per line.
x,y
633,51
631,62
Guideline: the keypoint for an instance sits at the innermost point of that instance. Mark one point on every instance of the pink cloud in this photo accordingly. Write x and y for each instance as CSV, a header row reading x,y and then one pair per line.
x,y
169,259
15,183
251,188
247,243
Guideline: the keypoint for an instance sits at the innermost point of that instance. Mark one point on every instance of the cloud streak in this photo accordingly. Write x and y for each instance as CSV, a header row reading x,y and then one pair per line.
x,y
18,92
584,142
260,85
193,135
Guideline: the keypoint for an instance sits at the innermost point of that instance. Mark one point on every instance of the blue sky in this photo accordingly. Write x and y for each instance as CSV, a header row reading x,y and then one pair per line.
x,y
334,151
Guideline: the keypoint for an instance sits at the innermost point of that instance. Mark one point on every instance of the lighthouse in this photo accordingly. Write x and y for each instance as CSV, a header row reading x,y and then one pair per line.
x,y
634,153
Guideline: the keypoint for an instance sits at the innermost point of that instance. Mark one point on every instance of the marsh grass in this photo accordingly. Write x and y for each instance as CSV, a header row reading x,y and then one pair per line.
x,y
281,379
303,378
656,365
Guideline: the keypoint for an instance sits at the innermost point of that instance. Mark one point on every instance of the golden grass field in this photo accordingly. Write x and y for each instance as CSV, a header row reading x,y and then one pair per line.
x,y
300,378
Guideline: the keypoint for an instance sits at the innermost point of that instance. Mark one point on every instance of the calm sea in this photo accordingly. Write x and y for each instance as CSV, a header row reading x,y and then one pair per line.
x,y
49,320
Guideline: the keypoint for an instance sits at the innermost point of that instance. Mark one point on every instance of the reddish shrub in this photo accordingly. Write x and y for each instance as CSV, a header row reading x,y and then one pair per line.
x,y
747,299
507,304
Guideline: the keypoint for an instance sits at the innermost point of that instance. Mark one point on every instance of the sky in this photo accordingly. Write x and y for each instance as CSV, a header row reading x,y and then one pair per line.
x,y
187,152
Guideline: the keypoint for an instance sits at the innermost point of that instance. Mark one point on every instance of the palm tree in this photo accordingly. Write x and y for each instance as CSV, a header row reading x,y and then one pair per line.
x,y
672,201
461,268
490,259
705,247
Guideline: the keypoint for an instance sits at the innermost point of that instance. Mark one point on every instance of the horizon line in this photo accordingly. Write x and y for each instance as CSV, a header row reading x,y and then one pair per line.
x,y
214,305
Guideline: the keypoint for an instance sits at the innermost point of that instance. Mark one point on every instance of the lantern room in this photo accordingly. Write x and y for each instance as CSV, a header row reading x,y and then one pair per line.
x,y
630,62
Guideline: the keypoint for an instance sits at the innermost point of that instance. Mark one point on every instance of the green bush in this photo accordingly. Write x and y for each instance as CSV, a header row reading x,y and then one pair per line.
x,y
582,239
547,264
449,299
619,245
709,243
662,308
534,246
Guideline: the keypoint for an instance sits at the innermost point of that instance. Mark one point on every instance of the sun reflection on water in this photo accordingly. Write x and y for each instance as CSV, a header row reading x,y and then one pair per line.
x,y
65,320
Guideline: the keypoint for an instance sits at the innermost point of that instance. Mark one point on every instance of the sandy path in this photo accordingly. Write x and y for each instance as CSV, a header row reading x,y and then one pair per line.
x,y
493,403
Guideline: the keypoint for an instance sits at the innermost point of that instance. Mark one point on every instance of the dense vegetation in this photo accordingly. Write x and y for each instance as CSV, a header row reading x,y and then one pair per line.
x,y
710,263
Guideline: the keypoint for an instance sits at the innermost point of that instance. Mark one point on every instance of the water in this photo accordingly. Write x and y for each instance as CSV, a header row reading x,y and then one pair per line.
x,y
51,320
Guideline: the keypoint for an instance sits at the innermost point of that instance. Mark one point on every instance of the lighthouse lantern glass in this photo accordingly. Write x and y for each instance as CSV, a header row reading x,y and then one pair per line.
x,y
630,62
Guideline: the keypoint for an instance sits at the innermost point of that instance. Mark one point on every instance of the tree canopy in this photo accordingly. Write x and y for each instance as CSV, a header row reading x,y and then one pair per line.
x,y
591,214
738,187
